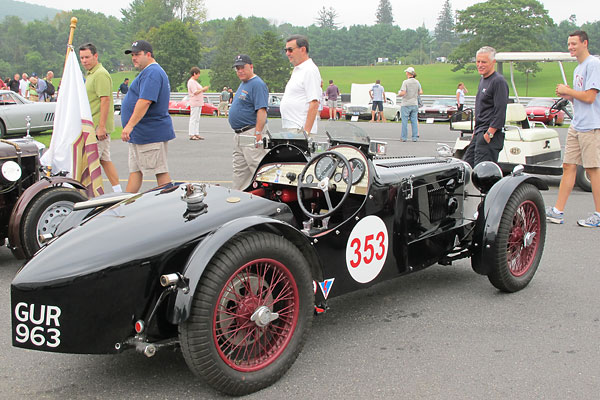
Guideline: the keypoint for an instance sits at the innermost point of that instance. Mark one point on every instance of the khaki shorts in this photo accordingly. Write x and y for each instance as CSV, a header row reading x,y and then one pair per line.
x,y
149,159
332,103
583,148
223,107
104,148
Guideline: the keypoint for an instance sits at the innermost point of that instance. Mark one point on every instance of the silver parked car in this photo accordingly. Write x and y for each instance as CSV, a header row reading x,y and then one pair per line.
x,y
14,110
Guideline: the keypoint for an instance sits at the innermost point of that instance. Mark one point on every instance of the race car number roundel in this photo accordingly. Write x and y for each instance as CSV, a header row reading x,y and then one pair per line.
x,y
367,249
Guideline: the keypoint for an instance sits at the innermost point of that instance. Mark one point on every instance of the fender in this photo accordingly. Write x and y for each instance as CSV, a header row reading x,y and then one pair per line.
x,y
14,223
488,221
206,249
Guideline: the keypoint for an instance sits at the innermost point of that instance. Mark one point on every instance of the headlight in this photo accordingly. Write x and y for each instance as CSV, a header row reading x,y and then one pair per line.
x,y
10,171
547,112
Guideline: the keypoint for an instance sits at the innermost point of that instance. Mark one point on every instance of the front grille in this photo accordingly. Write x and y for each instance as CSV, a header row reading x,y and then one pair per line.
x,y
357,109
437,204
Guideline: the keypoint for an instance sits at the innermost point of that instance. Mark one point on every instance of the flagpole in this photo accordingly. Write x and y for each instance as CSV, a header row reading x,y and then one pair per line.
x,y
71,33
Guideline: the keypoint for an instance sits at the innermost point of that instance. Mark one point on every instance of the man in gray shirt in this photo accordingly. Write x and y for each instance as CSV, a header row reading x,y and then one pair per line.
x,y
377,94
410,91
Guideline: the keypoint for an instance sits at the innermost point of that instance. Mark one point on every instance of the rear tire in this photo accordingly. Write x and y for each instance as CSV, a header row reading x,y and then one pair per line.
x,y
215,113
520,240
252,273
2,130
397,117
44,213
582,179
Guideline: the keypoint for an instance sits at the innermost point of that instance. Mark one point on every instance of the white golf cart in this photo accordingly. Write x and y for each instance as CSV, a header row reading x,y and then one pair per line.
x,y
527,143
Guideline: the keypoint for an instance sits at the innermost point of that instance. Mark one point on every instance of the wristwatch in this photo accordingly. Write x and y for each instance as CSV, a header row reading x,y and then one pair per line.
x,y
490,134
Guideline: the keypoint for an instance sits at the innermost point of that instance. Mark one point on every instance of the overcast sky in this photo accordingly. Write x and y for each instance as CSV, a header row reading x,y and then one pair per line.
x,y
407,14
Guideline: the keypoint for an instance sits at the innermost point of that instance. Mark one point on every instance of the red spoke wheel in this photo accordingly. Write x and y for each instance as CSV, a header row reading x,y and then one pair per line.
x,y
520,240
251,313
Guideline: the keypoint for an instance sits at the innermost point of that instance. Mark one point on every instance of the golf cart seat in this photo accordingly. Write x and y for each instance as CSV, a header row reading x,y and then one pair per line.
x,y
519,128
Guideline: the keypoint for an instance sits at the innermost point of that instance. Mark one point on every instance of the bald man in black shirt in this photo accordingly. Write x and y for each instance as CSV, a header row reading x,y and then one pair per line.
x,y
490,111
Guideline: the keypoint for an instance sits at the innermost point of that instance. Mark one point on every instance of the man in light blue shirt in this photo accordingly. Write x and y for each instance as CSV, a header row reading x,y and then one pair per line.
x,y
583,138
377,94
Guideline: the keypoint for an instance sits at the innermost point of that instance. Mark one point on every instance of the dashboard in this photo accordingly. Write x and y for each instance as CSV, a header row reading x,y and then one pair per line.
x,y
326,167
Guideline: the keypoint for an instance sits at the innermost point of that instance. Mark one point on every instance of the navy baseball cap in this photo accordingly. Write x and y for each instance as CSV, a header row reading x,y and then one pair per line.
x,y
139,45
242,59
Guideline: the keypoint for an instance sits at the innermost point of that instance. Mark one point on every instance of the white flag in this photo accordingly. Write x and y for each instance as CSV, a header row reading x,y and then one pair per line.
x,y
73,147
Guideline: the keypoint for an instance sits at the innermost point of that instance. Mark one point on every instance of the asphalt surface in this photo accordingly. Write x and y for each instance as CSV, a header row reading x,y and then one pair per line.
x,y
443,333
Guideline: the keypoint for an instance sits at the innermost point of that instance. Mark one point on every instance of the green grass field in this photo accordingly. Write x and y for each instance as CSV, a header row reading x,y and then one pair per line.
x,y
436,79
439,79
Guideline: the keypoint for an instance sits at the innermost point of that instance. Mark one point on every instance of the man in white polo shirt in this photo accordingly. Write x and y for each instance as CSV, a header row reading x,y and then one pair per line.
x,y
300,101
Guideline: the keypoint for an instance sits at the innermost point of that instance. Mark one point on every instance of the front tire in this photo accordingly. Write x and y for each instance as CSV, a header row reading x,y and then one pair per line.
x,y
397,117
520,240
215,113
552,121
44,213
250,315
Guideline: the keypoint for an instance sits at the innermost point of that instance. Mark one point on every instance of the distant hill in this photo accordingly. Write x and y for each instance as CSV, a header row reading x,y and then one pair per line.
x,y
26,11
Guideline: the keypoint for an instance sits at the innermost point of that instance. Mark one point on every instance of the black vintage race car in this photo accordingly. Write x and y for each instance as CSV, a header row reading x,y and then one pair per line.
x,y
234,277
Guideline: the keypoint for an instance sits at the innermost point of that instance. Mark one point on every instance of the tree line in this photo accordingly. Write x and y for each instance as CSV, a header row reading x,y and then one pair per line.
x,y
182,38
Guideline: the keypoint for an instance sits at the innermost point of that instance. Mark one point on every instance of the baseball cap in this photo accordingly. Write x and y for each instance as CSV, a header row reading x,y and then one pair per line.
x,y
139,45
242,59
33,74
410,70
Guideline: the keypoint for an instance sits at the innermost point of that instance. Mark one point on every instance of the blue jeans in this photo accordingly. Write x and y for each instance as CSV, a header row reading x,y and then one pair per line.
x,y
410,112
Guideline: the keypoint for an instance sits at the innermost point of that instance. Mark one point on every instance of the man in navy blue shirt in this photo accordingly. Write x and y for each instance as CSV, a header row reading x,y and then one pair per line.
x,y
247,116
147,125
490,111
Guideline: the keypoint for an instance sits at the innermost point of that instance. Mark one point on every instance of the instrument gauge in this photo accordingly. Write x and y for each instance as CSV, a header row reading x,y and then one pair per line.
x,y
358,171
309,178
325,168
337,177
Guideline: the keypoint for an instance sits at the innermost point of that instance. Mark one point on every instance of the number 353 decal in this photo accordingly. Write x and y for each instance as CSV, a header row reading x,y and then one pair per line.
x,y
367,249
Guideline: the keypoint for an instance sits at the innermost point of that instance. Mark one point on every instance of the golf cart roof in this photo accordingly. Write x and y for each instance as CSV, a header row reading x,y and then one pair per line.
x,y
533,56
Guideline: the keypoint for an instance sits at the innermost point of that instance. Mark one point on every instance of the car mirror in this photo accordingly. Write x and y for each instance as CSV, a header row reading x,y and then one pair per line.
x,y
377,148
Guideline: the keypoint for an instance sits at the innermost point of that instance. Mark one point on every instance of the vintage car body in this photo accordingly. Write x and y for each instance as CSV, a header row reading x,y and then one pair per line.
x,y
14,111
439,110
31,203
183,107
235,277
274,110
361,105
539,110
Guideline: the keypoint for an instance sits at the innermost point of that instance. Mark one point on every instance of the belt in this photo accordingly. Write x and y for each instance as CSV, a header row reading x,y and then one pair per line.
x,y
244,129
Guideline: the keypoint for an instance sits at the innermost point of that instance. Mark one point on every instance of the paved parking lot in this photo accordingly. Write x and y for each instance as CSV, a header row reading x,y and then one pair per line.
x,y
443,333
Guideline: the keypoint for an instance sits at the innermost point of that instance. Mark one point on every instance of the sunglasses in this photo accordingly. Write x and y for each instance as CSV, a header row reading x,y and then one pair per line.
x,y
289,49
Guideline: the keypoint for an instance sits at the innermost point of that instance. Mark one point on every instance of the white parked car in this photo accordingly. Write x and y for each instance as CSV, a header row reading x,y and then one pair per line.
x,y
15,109
360,103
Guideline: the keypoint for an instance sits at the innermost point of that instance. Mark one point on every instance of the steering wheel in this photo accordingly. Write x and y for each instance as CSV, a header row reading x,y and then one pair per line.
x,y
325,184
561,104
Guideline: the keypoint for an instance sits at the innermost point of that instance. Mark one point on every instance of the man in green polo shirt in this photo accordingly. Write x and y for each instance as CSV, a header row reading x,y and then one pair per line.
x,y
98,85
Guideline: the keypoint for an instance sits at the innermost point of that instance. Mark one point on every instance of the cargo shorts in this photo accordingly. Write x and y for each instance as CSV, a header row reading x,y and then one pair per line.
x,y
583,148
149,158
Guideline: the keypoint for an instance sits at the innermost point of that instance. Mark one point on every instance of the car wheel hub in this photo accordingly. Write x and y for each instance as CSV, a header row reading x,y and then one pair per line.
x,y
53,216
263,316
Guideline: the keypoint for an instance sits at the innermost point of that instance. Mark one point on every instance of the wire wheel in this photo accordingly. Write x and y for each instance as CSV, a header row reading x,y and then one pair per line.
x,y
520,239
524,238
255,315
251,313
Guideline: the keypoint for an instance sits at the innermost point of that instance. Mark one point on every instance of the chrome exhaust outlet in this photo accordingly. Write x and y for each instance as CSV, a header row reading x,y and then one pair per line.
x,y
169,280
